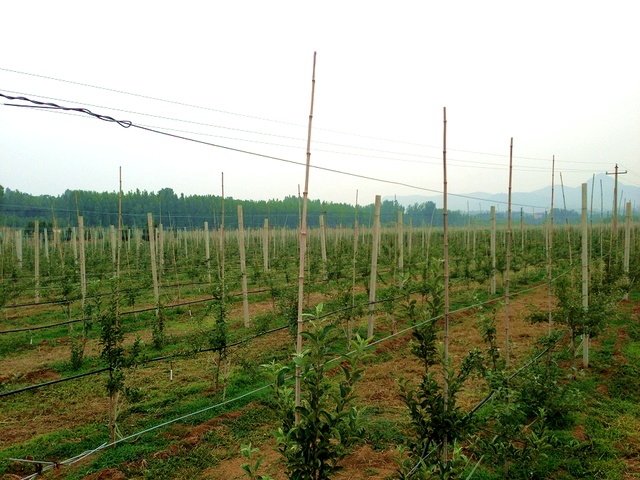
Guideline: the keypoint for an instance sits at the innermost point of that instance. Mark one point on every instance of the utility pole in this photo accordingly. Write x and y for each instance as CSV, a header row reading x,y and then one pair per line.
x,y
615,173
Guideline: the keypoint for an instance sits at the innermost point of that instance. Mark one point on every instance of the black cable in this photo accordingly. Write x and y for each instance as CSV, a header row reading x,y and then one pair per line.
x,y
106,118
127,124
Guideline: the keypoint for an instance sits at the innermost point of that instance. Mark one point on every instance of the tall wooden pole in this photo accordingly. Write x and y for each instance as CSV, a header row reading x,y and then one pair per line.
x,y
303,241
508,265
446,275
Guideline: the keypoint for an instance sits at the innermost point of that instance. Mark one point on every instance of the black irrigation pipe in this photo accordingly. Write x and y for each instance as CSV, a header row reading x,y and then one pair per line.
x,y
177,305
248,339
130,312
42,327
59,380
169,357
277,329
34,304
152,360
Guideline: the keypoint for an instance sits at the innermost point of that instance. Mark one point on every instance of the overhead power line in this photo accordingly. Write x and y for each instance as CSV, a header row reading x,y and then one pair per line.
x,y
128,124
226,112
417,158
474,164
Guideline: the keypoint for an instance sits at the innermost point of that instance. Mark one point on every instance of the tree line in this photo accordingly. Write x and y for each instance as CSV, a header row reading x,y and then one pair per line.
x,y
21,210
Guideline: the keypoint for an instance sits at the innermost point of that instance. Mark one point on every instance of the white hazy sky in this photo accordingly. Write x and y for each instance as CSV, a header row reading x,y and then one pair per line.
x,y
560,77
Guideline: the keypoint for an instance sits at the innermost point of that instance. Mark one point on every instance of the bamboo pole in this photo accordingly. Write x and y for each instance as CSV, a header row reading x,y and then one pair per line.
x,y
445,227
374,267
508,266
303,243
585,273
243,268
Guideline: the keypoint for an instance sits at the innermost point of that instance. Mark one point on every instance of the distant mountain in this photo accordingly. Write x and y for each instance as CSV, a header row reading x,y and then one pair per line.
x,y
538,200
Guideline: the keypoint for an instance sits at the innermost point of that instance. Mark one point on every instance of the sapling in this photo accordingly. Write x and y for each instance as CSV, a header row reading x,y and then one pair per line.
x,y
217,336
117,358
513,428
434,415
329,420
251,468
570,312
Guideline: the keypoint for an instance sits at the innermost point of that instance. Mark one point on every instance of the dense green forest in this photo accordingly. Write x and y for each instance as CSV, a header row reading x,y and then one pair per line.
x,y
20,210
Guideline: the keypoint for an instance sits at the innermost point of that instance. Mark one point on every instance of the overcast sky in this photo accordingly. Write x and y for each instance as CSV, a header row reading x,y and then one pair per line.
x,y
561,78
